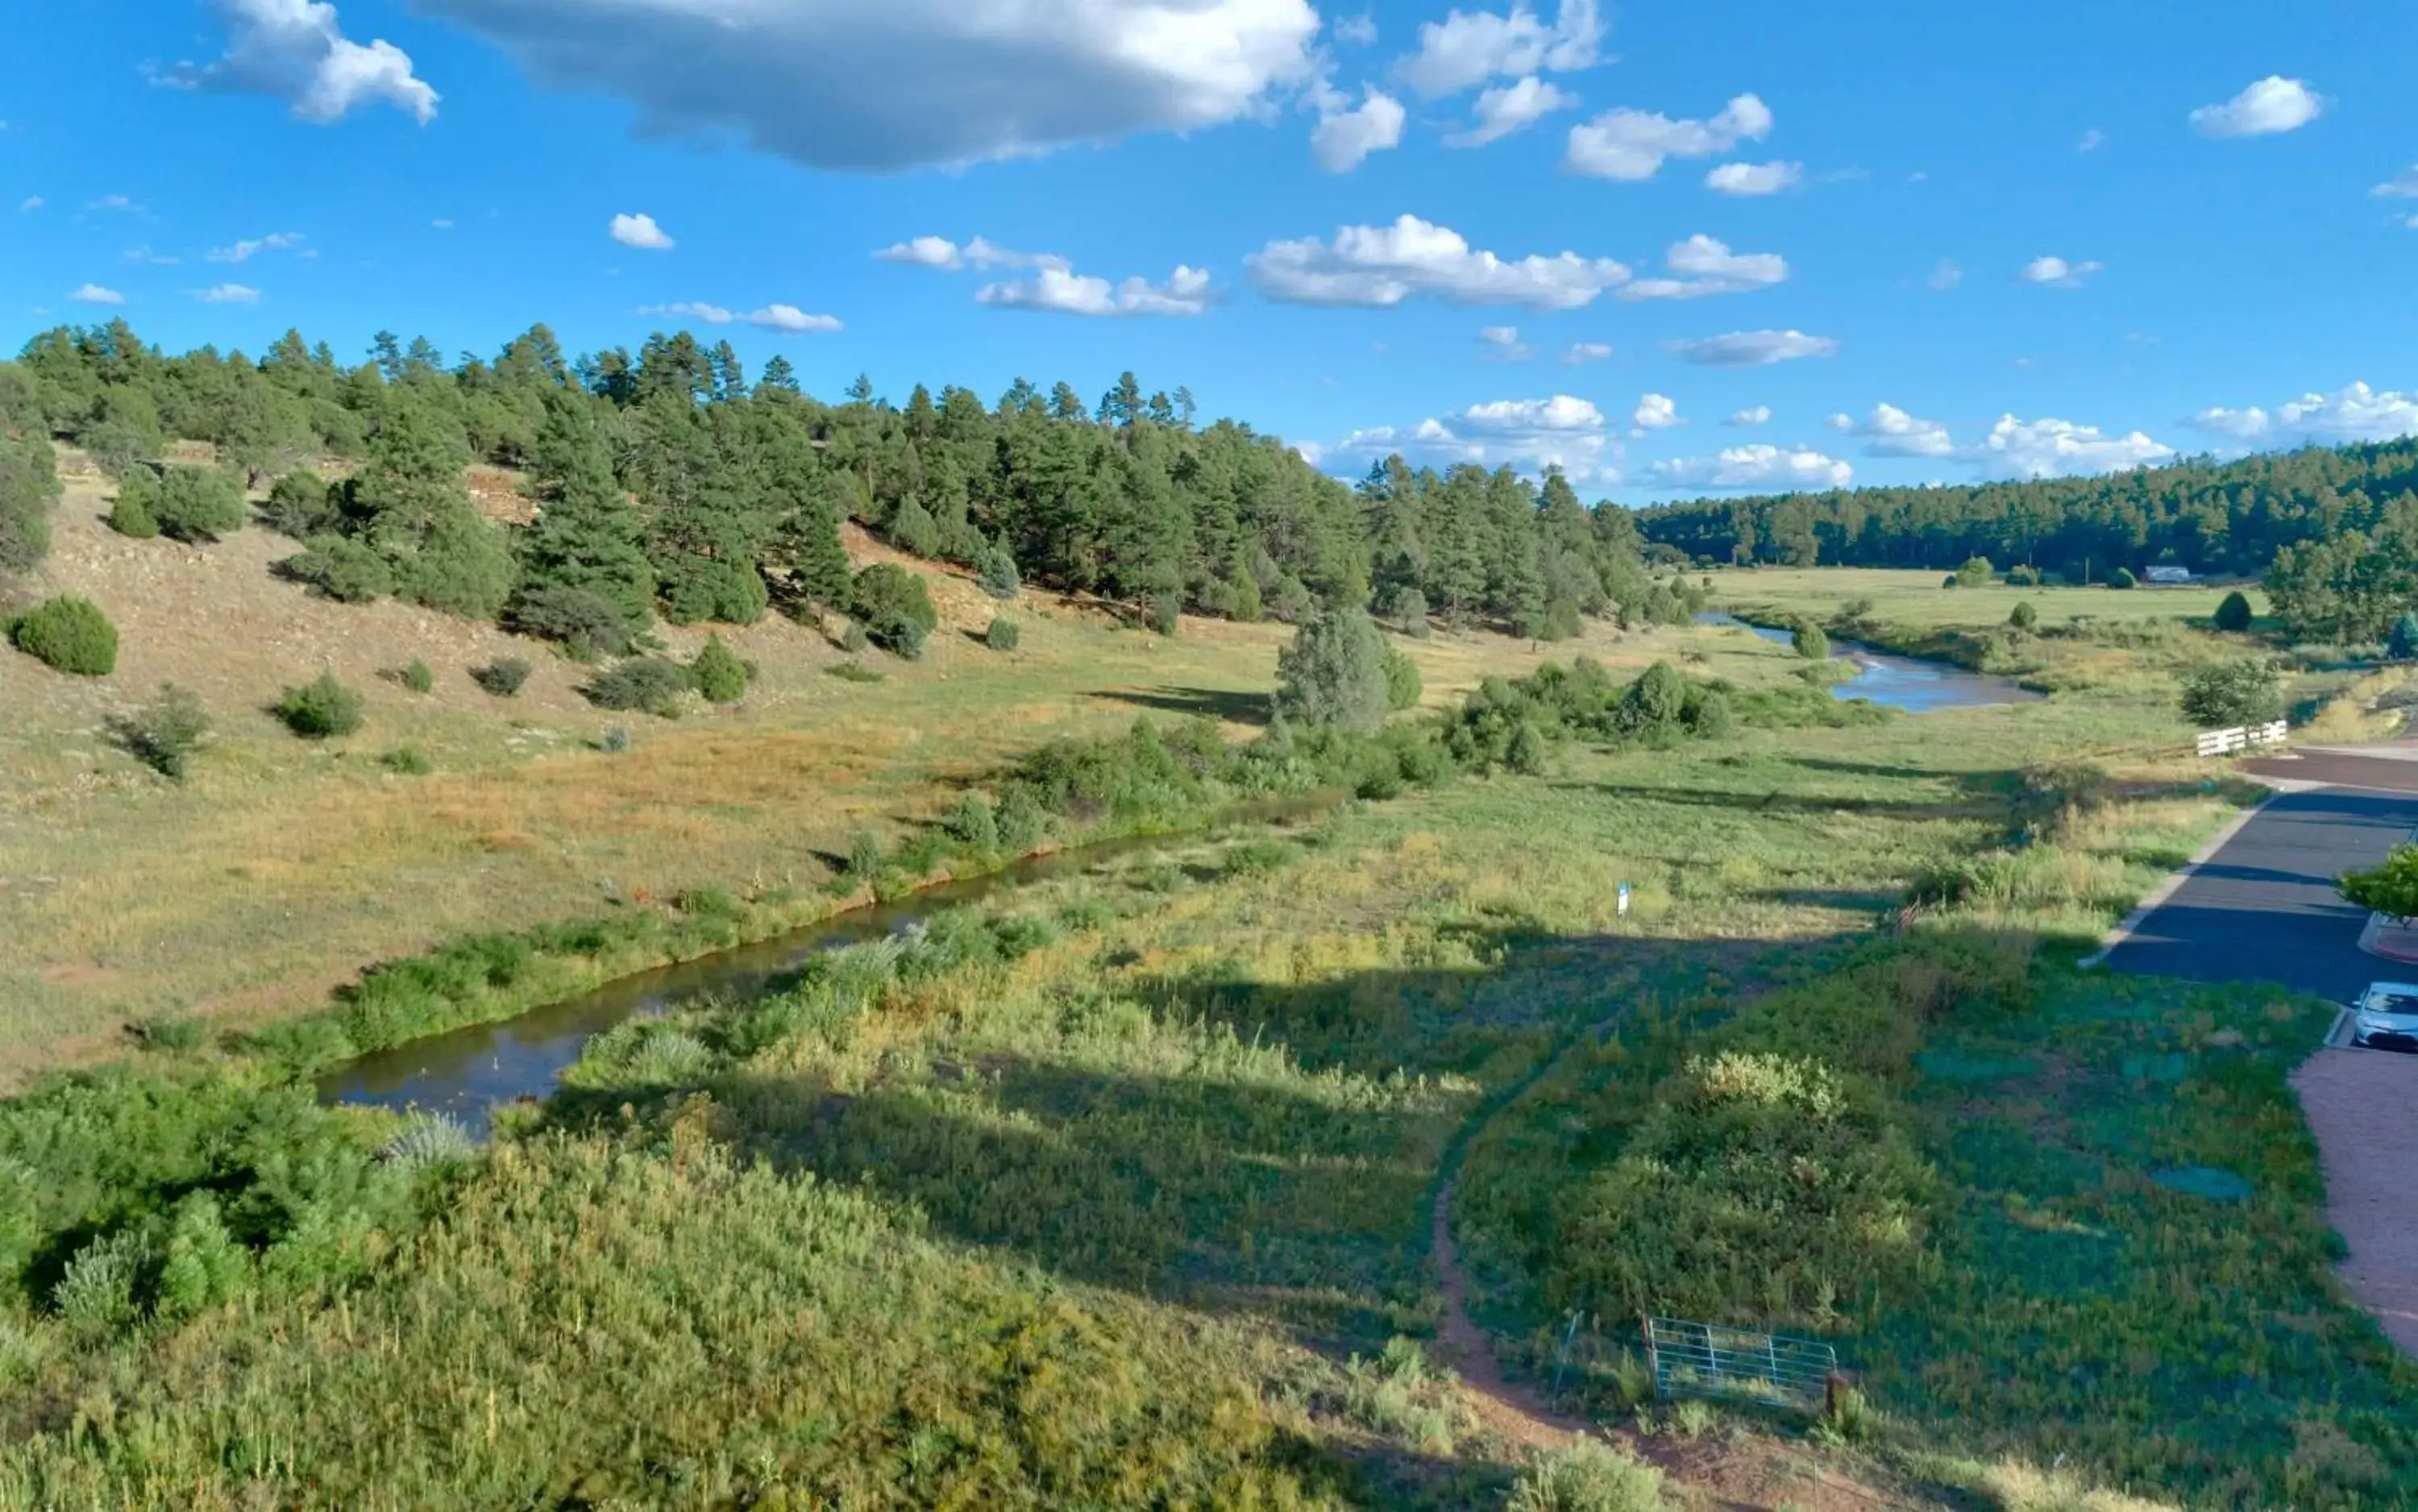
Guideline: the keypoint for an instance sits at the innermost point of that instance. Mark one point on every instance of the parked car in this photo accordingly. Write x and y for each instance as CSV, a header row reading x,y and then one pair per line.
x,y
2385,1016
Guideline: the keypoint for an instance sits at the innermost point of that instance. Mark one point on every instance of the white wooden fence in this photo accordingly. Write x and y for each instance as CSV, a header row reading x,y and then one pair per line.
x,y
2219,742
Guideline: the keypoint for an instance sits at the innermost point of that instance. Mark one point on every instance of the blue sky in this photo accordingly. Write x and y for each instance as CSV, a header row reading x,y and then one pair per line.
x,y
1933,242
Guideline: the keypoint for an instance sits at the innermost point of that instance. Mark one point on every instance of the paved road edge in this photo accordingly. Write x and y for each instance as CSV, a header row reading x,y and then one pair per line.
x,y
2126,926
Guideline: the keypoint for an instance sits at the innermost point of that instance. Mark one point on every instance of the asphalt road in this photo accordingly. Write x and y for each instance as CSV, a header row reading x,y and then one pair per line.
x,y
2263,909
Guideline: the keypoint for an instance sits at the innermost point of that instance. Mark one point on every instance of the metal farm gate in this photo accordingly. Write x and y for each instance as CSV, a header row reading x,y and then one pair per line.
x,y
1708,1360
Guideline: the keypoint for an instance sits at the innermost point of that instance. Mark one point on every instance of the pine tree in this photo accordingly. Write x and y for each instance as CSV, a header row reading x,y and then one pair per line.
x,y
778,376
588,535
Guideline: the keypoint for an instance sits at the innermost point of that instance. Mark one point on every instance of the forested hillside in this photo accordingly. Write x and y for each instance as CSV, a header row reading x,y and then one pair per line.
x,y
667,482
2209,516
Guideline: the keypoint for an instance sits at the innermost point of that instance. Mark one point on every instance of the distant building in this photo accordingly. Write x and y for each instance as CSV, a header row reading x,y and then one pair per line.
x,y
2165,575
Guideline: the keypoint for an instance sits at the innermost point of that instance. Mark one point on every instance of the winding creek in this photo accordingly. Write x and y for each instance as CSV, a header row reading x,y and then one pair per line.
x,y
468,1071
1916,685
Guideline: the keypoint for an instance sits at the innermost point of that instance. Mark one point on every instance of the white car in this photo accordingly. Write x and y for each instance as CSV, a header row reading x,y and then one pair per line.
x,y
2385,1016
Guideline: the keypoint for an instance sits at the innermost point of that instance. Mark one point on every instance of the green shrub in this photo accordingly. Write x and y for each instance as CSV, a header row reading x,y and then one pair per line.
x,y
132,514
864,856
1023,823
995,571
95,1298
299,505
2225,693
202,1265
416,677
1403,683
1810,642
198,504
346,569
407,761
502,677
2122,578
1334,673
699,589
2023,616
67,634
2233,615
1589,1476
895,609
639,682
1003,635
851,672
974,823
1165,611
320,708
1974,573
853,639
587,625
717,673
2401,645
462,567
164,733
2026,575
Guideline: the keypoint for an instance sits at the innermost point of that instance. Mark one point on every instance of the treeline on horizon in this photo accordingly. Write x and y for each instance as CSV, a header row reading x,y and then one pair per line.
x,y
670,482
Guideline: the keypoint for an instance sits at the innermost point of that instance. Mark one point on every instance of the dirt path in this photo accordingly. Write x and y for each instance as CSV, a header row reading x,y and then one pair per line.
x,y
1518,1413
2360,1105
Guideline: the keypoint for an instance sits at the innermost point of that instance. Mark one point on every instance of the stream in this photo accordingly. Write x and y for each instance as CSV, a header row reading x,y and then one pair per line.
x,y
467,1073
1916,685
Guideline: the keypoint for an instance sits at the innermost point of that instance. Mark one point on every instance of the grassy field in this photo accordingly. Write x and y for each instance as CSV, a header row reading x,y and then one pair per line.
x,y
281,866
1914,598
1120,1193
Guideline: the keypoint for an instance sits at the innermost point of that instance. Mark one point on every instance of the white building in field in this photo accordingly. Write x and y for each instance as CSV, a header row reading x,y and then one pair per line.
x,y
2165,575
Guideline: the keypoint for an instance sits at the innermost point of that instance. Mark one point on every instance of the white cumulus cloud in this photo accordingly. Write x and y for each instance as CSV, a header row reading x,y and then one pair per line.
x,y
1630,145
980,252
2354,413
1755,348
2091,141
926,252
1468,48
1582,353
1891,432
228,294
1531,434
1706,267
790,318
1506,343
2402,186
245,250
1656,412
1066,292
2048,448
1753,415
1747,179
29,204
641,232
2056,273
1945,275
94,294
294,51
1379,267
1342,139
2270,105
1759,466
712,314
1360,30
853,85
1509,108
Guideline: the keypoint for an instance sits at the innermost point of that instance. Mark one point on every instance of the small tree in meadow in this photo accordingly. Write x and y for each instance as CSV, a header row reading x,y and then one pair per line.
x,y
2023,616
1334,672
2390,887
131,514
321,709
2225,693
2122,578
720,675
895,608
2233,614
67,634
1402,682
2404,642
198,504
1003,635
1810,641
995,572
1974,573
164,733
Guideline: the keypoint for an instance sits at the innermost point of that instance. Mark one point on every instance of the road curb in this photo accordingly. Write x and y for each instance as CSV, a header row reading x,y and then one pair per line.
x,y
2131,922
2379,938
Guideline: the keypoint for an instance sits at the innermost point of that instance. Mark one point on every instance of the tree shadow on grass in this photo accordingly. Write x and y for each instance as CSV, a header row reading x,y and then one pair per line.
x,y
1214,703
